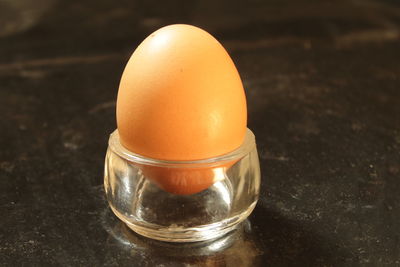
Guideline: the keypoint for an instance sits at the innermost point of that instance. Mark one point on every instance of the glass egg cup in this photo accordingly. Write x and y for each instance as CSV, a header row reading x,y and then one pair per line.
x,y
142,192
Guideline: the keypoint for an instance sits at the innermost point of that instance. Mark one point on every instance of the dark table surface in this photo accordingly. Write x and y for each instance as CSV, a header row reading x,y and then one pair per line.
x,y
323,86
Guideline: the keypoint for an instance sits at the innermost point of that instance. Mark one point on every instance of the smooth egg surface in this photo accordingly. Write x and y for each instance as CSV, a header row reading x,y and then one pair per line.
x,y
181,97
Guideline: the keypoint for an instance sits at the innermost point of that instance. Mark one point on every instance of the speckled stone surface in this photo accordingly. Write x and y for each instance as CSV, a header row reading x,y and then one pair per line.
x,y
323,87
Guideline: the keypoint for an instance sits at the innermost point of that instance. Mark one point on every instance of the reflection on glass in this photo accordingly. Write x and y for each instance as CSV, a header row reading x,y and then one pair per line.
x,y
237,248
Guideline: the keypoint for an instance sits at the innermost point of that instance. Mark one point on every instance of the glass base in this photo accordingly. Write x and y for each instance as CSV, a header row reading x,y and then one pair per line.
x,y
190,234
199,217
136,191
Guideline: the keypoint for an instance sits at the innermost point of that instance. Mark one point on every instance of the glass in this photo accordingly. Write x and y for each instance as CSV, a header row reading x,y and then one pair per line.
x,y
182,201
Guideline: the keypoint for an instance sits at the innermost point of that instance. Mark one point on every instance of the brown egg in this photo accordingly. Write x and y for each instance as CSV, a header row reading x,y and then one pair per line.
x,y
180,99
185,181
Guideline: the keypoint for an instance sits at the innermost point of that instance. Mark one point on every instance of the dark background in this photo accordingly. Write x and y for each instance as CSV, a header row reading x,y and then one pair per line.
x,y
322,83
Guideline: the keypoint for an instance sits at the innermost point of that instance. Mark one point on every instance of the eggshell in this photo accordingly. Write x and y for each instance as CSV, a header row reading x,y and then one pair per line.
x,y
185,181
181,98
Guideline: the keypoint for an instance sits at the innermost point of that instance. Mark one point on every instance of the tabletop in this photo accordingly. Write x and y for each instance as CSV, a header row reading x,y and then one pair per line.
x,y
322,86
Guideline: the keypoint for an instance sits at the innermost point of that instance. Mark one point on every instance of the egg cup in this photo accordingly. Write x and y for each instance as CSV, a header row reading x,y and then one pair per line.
x,y
151,196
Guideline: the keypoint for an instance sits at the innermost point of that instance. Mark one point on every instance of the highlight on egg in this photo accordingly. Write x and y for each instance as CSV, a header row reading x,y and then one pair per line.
x,y
181,99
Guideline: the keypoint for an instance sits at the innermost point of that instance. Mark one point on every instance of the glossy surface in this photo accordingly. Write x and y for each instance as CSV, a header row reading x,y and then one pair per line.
x,y
182,177
323,82
139,197
181,97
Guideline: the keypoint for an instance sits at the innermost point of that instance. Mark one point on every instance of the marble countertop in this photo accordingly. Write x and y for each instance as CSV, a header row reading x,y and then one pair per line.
x,y
323,88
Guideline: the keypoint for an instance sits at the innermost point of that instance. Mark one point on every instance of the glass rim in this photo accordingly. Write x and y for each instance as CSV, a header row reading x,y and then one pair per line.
x,y
247,146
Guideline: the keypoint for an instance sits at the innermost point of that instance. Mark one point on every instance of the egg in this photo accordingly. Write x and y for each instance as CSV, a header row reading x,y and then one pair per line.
x,y
181,99
185,181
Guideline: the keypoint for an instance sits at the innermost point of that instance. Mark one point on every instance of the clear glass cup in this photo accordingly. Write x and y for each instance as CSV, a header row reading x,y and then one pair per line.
x,y
182,201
